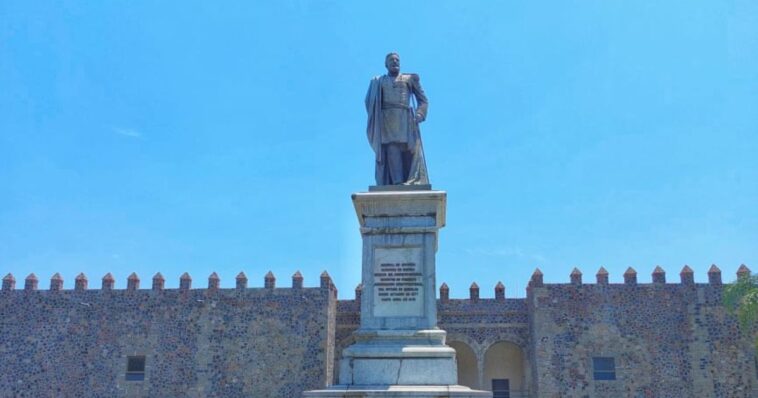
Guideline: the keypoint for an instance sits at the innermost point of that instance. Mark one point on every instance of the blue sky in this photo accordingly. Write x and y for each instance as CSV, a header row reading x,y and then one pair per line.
x,y
199,136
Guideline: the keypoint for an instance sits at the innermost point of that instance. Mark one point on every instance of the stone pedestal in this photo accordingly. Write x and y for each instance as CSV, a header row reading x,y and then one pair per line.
x,y
398,349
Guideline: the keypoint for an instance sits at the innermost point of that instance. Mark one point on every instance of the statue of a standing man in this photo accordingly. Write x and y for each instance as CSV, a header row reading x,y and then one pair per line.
x,y
393,125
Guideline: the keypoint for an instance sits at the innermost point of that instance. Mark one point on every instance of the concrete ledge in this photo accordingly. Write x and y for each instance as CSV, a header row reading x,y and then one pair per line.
x,y
399,188
397,391
398,371
397,351
406,206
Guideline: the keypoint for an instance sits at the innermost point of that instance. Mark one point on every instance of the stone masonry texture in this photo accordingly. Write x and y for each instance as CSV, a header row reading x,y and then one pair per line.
x,y
668,339
197,343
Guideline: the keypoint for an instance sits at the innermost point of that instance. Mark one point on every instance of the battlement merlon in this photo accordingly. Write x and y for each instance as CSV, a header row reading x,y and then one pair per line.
x,y
658,277
575,279
9,282
185,282
686,276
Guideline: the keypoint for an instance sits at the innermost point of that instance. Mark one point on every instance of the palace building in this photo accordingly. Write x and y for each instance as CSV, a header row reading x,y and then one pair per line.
x,y
578,339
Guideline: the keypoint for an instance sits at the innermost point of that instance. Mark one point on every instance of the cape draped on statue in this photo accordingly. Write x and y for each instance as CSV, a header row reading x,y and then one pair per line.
x,y
417,174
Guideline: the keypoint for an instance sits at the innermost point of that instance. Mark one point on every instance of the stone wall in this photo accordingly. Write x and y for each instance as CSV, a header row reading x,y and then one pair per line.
x,y
259,342
348,320
478,323
668,340
483,323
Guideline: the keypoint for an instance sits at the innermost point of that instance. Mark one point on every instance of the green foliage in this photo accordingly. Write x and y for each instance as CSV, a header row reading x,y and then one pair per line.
x,y
741,298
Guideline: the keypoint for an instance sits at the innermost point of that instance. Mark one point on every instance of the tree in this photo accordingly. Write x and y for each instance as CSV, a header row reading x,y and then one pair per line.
x,y
741,298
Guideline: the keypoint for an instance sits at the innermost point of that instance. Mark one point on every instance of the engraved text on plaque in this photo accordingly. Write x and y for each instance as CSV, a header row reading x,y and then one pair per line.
x,y
398,282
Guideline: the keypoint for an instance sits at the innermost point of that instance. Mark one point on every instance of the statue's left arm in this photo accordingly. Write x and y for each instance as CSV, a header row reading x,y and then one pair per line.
x,y
418,92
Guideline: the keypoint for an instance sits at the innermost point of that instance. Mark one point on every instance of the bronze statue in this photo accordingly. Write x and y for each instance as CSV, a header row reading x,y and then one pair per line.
x,y
393,130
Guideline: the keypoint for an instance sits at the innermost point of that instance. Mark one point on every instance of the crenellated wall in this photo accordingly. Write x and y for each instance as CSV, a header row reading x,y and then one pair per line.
x,y
478,323
668,339
242,342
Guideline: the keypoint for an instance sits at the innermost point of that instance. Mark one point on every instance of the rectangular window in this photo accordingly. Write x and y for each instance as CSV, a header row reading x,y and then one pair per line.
x,y
604,368
135,368
501,388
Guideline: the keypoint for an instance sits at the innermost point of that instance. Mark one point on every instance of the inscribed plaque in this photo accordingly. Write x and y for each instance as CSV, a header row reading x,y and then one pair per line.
x,y
398,281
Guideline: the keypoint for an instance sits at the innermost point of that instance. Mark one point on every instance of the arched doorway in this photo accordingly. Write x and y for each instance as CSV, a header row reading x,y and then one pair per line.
x,y
504,370
468,372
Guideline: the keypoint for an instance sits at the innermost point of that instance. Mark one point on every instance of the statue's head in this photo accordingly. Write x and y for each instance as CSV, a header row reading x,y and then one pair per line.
x,y
392,63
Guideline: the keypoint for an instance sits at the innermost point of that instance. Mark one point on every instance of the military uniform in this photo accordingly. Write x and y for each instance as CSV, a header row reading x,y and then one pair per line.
x,y
397,121
393,128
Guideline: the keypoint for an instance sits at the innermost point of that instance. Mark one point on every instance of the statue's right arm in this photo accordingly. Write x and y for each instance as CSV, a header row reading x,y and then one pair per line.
x,y
423,102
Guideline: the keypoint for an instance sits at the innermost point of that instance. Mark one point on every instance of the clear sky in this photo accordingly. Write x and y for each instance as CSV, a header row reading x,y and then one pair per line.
x,y
148,136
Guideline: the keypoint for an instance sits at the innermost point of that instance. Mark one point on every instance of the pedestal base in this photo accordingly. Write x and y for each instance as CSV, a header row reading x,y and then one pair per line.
x,y
397,391
402,357
398,349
